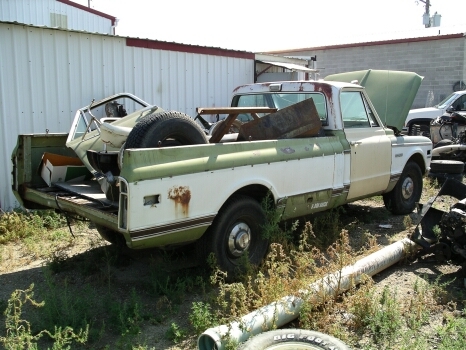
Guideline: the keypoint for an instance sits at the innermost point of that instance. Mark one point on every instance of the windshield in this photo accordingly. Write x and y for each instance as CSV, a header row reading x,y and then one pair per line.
x,y
447,101
279,100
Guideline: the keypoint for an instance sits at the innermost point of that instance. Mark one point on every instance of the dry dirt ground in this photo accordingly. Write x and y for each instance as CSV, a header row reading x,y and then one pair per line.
x,y
19,269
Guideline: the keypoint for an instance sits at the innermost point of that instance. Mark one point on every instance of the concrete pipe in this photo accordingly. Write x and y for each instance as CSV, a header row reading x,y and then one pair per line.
x,y
287,308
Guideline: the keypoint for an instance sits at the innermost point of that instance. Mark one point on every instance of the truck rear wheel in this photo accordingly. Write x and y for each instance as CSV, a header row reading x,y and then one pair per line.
x,y
407,192
236,231
292,339
165,129
110,235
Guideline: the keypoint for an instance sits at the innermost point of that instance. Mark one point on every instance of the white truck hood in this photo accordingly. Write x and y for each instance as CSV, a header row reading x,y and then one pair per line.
x,y
427,113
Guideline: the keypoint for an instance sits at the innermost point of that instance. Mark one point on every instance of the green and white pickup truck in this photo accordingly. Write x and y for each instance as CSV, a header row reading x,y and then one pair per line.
x,y
160,179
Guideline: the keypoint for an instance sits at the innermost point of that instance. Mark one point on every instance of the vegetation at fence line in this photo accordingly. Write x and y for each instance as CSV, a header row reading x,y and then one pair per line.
x,y
82,306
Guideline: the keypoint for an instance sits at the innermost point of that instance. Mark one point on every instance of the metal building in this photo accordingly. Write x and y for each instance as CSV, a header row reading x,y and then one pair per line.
x,y
57,14
48,73
440,58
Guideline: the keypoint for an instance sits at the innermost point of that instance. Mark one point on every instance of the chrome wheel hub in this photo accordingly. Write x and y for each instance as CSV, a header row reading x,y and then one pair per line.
x,y
407,188
239,239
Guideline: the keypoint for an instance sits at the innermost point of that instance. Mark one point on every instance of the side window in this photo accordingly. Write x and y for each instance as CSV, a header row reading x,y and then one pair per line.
x,y
460,104
280,100
250,101
370,113
353,110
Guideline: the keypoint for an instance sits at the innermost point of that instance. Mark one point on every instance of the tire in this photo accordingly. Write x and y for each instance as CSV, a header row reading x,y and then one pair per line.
x,y
444,142
447,166
236,229
420,130
441,177
165,129
282,339
110,236
407,192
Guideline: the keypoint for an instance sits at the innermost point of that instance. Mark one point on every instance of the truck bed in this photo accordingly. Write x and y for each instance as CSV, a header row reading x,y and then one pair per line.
x,y
84,199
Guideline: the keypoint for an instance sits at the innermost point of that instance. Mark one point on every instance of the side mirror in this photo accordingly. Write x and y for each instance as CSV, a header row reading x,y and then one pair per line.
x,y
450,109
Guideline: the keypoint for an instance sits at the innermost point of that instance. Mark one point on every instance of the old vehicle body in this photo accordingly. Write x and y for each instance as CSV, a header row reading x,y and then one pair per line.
x,y
212,193
455,102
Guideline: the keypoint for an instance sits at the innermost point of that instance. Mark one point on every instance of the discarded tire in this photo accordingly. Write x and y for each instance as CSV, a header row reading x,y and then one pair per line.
x,y
165,129
441,177
293,339
447,166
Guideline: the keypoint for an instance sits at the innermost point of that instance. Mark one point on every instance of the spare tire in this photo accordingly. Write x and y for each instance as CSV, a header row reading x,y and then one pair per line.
x,y
293,339
446,166
165,129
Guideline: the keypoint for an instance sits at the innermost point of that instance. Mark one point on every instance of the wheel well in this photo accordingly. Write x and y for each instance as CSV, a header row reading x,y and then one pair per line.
x,y
423,121
419,160
258,192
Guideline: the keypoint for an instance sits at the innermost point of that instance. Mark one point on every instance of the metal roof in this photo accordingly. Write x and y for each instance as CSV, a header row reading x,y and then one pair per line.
x,y
290,66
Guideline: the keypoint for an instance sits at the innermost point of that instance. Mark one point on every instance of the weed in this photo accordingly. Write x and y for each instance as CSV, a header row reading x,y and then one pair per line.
x,y
407,222
326,227
19,334
127,316
417,312
175,333
201,316
386,321
452,334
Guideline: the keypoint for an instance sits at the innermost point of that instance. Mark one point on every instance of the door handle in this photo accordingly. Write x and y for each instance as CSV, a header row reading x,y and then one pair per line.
x,y
354,143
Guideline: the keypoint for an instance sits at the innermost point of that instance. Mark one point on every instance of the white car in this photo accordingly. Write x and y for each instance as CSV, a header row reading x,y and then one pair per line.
x,y
423,116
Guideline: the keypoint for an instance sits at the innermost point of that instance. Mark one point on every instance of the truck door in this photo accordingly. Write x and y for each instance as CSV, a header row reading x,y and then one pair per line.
x,y
370,159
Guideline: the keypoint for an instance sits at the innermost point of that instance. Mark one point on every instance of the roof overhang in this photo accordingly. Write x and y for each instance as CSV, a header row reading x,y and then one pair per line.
x,y
290,66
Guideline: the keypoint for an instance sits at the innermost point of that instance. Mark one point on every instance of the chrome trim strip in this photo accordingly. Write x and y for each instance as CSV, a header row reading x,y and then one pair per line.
x,y
170,228
411,144
340,190
395,177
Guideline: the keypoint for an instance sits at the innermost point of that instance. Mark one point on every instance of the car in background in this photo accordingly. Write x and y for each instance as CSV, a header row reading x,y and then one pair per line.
x,y
455,102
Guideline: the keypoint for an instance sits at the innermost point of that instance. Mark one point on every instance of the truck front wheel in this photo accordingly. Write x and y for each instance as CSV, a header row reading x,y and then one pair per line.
x,y
407,192
236,231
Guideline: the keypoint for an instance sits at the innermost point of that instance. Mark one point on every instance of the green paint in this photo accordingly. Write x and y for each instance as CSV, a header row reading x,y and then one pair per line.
x,y
145,164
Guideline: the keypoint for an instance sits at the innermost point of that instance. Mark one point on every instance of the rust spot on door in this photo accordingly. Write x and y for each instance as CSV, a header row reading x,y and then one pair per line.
x,y
181,195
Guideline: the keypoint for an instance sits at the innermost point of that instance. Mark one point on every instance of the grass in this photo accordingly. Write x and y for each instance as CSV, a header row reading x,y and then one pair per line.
x,y
82,303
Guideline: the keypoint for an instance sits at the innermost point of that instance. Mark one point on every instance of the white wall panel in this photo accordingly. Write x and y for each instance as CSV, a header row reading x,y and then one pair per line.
x,y
38,12
47,74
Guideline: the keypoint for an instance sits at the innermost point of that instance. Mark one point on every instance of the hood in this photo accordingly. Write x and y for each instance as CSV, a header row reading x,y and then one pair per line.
x,y
391,92
424,113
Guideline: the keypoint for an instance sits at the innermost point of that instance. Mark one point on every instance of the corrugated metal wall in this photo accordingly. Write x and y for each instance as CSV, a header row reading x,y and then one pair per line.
x,y
46,74
49,12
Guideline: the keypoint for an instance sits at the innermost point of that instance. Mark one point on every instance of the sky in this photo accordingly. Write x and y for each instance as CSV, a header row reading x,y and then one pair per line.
x,y
261,26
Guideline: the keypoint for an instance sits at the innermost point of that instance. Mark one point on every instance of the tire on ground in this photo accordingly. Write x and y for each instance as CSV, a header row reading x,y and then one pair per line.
x,y
403,197
441,177
446,166
236,229
293,339
165,129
